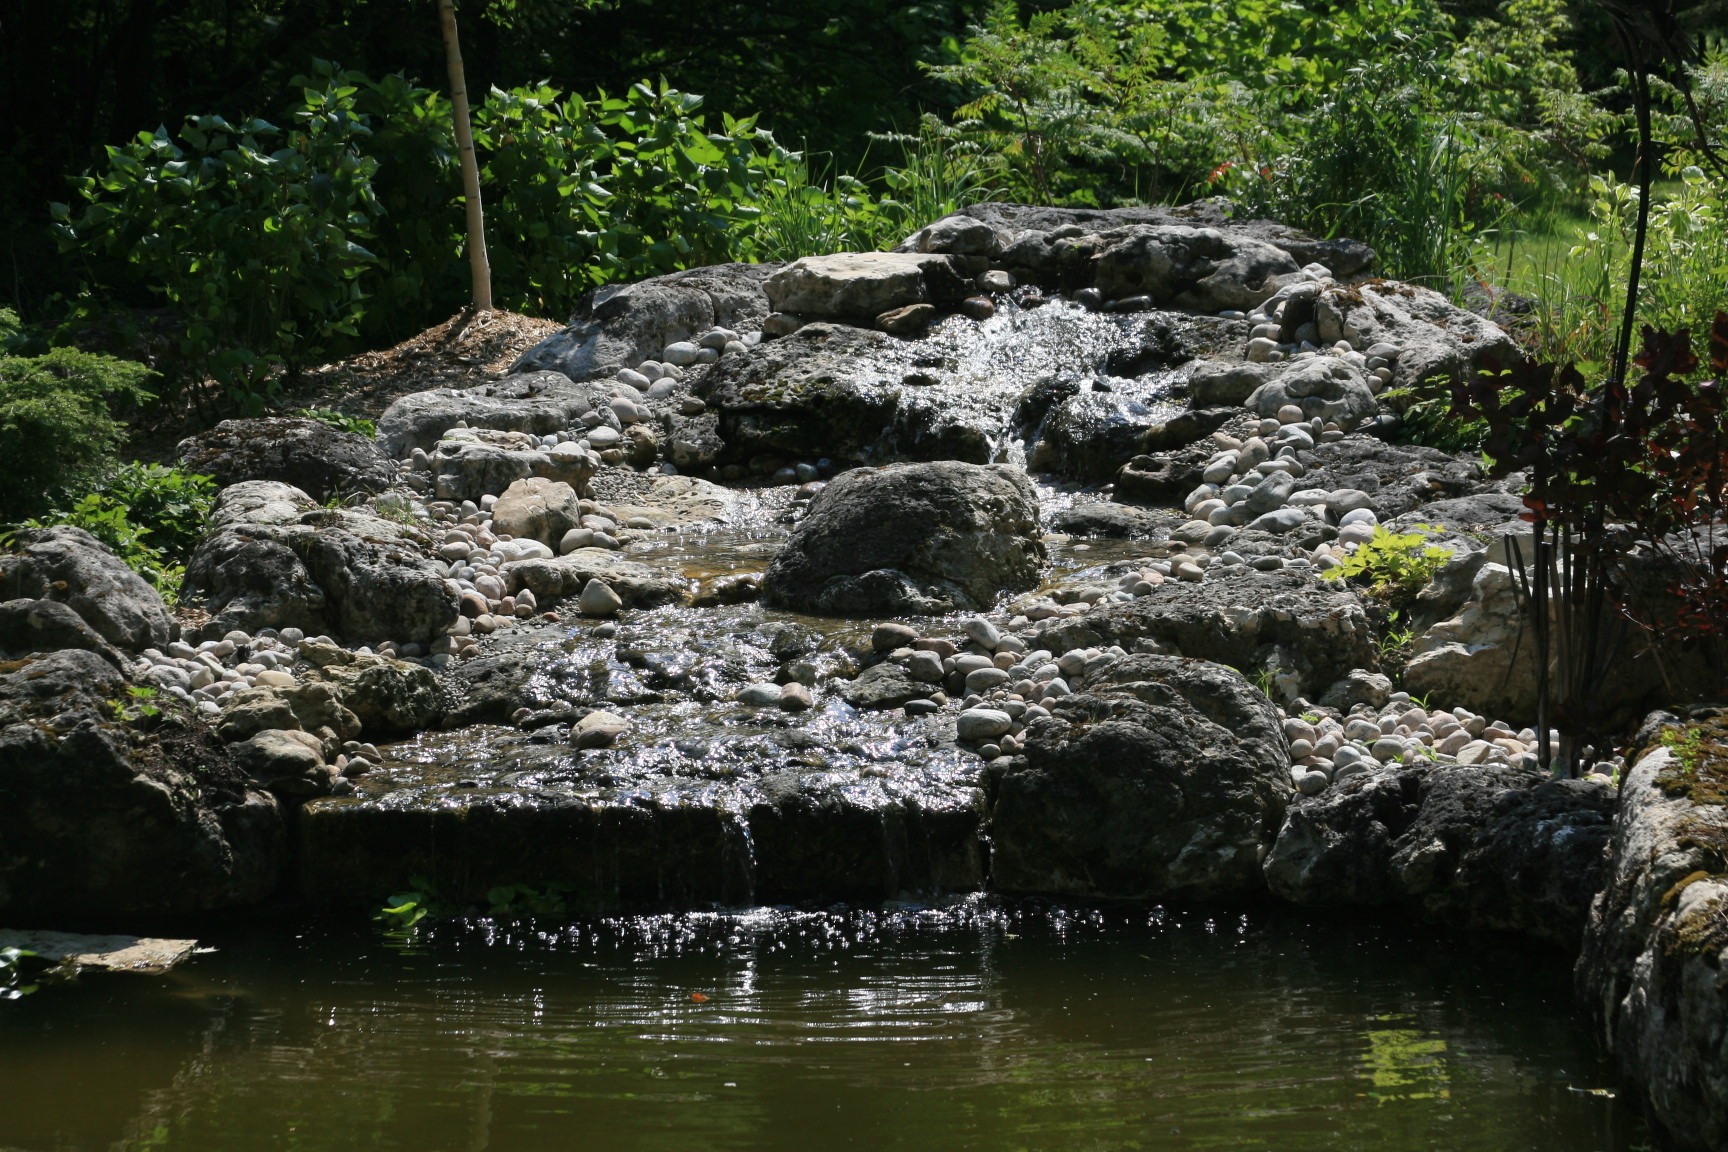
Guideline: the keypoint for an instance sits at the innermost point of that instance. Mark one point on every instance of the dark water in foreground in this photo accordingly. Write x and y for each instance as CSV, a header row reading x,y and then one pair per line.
x,y
970,1027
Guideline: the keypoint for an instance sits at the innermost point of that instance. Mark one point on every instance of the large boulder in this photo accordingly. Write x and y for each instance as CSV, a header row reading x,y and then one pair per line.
x,y
1651,976
1487,848
309,454
1431,338
101,819
1331,389
468,463
389,697
1161,778
1480,658
1306,634
621,326
28,626
1202,269
537,509
1397,478
863,285
275,559
911,538
1059,247
534,402
71,566
561,578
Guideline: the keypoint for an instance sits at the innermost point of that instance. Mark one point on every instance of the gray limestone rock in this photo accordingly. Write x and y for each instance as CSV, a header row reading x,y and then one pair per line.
x,y
336,570
863,285
1650,978
1485,848
309,454
919,538
620,326
100,819
73,567
1160,778
1307,633
538,402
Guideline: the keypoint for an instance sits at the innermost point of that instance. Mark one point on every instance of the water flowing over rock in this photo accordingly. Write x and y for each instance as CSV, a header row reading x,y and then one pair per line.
x,y
71,566
314,457
920,538
1650,978
702,800
1162,778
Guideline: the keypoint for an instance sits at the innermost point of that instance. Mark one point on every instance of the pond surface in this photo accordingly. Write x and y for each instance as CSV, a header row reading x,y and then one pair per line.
x,y
972,1026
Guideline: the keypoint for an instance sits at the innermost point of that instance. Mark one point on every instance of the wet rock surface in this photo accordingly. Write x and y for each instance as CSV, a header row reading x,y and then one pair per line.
x,y
911,538
704,799
1160,778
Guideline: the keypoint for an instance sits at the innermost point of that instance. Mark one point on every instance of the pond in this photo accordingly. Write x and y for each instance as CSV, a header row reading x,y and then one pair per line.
x,y
971,1025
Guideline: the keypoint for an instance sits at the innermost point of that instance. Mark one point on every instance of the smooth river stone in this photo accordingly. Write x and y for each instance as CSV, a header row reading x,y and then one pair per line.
x,y
982,724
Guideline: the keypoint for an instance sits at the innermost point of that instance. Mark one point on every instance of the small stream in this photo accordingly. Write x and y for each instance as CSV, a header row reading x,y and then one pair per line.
x,y
971,1025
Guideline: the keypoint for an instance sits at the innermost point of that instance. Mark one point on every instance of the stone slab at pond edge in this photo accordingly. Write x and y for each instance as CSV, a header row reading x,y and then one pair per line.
x,y
145,955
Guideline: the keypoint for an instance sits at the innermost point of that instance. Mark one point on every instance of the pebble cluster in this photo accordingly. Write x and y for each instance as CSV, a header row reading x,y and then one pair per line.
x,y
471,556
205,675
1326,749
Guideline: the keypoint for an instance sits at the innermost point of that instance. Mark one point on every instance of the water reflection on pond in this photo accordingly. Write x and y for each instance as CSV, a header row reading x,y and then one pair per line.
x,y
973,1026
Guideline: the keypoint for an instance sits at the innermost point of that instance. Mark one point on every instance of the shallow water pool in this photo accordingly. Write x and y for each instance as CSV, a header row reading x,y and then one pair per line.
x,y
972,1025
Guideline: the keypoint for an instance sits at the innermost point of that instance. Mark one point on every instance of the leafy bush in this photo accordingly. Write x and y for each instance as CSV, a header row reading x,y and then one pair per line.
x,y
1372,118
249,232
340,420
151,515
1393,565
58,431
617,187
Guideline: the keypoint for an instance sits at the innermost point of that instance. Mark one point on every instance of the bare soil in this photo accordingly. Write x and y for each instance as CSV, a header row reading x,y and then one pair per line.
x,y
469,348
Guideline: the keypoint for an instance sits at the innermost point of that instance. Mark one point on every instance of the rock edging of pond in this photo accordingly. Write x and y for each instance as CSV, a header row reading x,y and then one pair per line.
x,y
1651,977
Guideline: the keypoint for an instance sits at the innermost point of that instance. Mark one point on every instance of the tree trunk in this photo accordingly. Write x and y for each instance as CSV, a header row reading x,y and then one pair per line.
x,y
478,265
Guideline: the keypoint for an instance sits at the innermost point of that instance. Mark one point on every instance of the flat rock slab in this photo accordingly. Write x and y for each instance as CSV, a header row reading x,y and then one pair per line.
x,y
147,955
862,285
758,811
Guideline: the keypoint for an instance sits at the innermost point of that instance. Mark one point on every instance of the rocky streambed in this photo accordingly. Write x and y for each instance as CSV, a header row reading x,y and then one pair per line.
x,y
1004,562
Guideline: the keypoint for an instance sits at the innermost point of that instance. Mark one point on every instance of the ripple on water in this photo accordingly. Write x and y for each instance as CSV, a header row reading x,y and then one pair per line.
x,y
968,1024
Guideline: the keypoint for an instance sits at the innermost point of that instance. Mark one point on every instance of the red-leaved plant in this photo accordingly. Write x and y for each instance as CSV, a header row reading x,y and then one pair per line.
x,y
1611,467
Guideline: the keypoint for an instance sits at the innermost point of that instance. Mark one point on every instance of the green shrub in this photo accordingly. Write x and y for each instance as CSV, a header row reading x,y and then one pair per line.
x,y
614,188
1373,118
1393,565
249,232
151,515
58,432
340,420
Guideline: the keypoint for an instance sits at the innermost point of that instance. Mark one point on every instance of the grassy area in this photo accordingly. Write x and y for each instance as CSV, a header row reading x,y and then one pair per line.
x,y
1577,266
